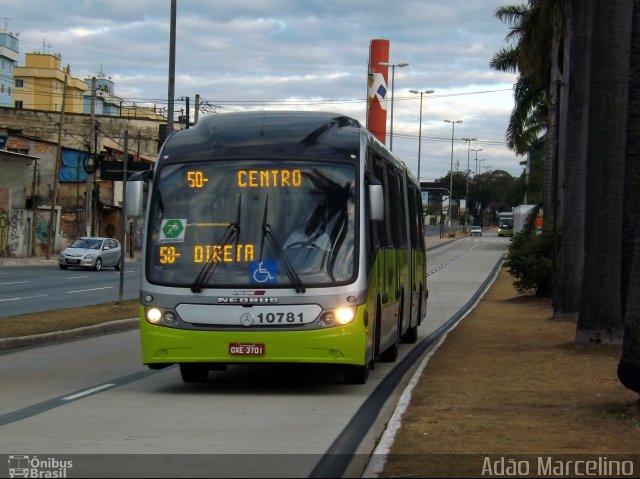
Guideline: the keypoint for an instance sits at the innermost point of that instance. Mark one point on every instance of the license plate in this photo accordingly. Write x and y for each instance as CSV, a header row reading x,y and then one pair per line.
x,y
73,261
242,349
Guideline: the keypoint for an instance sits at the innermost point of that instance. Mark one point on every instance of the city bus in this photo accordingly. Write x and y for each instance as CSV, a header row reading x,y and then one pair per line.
x,y
505,223
278,237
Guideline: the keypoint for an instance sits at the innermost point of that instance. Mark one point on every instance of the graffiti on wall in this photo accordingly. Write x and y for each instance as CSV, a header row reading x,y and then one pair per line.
x,y
4,232
16,229
11,231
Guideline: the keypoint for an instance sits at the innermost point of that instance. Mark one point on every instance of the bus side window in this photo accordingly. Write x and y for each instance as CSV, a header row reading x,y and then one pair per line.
x,y
379,234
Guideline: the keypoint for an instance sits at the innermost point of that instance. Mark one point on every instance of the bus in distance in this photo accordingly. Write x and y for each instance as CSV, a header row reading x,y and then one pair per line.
x,y
505,223
278,237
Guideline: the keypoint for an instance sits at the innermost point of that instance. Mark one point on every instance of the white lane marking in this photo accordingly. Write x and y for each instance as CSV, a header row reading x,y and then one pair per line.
x,y
87,392
78,277
24,297
85,290
14,282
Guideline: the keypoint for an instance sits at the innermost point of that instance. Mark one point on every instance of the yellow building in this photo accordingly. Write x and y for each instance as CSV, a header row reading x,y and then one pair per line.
x,y
39,85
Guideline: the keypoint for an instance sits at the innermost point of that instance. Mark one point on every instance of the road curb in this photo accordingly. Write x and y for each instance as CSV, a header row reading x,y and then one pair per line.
x,y
77,333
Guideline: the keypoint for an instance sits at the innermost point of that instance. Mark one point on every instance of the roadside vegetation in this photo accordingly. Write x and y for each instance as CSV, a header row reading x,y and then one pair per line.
x,y
583,55
509,381
68,318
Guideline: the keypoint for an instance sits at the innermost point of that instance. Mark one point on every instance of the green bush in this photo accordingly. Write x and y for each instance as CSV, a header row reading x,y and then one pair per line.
x,y
529,260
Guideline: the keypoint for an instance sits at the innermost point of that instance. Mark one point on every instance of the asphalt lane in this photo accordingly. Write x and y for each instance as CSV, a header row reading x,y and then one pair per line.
x,y
94,397
32,289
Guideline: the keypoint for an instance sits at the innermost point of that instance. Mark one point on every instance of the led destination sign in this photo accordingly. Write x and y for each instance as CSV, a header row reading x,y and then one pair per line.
x,y
229,253
269,178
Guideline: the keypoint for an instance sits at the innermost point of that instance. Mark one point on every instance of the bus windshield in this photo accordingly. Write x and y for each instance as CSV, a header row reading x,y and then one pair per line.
x,y
252,223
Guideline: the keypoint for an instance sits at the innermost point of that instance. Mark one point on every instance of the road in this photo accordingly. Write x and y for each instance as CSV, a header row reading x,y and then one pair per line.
x,y
32,289
92,403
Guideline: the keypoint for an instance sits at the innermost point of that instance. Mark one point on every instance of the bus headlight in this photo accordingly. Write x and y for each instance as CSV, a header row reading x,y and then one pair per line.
x,y
345,315
162,317
336,317
154,315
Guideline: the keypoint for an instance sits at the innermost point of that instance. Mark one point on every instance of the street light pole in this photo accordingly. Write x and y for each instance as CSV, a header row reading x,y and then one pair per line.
x,y
480,161
393,73
466,209
415,92
453,129
477,150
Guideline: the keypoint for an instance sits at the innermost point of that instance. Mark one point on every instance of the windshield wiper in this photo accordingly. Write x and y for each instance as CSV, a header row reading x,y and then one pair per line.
x,y
267,231
231,234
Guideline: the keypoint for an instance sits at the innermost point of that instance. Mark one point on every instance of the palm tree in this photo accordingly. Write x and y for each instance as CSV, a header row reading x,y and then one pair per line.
x,y
573,122
601,312
629,366
529,56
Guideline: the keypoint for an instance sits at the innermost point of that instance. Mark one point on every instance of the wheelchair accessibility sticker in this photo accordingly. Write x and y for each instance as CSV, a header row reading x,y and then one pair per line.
x,y
264,272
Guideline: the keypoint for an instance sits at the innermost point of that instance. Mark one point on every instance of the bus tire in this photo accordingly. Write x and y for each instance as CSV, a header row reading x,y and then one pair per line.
x,y
391,353
355,374
411,336
194,372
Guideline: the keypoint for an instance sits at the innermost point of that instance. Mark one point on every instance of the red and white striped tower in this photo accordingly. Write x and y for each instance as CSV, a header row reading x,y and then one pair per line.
x,y
377,89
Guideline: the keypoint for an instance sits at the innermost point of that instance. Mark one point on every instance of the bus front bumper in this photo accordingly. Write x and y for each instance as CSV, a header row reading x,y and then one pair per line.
x,y
336,345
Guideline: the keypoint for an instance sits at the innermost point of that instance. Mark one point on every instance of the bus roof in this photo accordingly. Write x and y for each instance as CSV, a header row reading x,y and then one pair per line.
x,y
266,134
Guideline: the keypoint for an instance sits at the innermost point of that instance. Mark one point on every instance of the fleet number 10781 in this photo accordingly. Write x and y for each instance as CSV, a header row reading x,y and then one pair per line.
x,y
279,318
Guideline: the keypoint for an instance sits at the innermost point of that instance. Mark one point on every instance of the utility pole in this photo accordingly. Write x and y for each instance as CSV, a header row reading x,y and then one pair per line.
x,y
34,208
54,193
172,67
187,115
89,187
196,109
123,213
466,210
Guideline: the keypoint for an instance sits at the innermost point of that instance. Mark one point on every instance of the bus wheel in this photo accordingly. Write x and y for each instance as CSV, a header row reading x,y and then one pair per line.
x,y
391,353
194,372
355,374
411,336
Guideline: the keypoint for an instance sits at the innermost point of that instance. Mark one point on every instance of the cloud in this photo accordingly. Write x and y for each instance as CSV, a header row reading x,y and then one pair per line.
x,y
252,54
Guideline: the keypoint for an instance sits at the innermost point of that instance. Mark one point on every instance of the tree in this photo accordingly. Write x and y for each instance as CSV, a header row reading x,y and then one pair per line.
x,y
629,366
601,312
530,31
573,123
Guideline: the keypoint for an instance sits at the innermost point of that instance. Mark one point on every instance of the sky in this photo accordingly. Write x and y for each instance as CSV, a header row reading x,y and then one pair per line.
x,y
298,55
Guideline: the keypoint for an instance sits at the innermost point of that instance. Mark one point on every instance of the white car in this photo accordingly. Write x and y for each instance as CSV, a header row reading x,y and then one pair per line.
x,y
91,253
476,231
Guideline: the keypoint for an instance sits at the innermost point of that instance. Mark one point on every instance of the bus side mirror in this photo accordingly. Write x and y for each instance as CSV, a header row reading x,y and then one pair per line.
x,y
376,203
135,190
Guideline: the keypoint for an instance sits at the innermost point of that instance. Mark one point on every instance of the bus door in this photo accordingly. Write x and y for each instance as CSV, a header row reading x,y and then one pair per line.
x,y
395,254
398,213
384,273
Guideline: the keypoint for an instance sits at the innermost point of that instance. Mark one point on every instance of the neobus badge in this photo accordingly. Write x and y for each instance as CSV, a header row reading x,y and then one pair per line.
x,y
245,300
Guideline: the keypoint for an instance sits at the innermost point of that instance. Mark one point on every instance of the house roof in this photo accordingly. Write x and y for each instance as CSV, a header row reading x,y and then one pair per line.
x,y
10,155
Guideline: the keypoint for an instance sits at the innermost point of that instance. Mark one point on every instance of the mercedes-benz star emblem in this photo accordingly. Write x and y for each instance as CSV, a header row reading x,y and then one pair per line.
x,y
246,320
